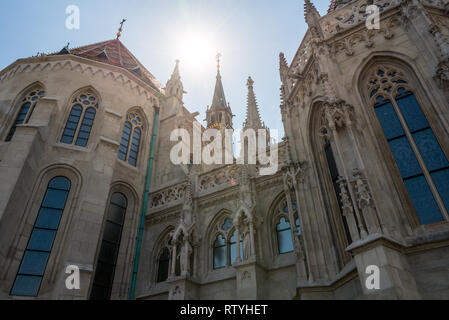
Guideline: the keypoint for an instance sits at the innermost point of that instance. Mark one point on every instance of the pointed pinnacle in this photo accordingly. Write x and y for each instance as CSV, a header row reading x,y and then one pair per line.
x,y
250,82
309,8
282,61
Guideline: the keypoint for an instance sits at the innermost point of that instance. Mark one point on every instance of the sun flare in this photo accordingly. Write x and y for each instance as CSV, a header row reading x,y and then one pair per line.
x,y
197,50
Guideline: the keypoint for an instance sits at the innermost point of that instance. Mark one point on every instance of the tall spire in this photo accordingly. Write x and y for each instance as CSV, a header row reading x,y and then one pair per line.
x,y
219,114
174,85
252,112
176,75
219,100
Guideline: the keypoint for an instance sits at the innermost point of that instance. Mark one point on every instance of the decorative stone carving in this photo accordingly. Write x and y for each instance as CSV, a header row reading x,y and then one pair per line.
x,y
348,209
337,115
227,176
246,242
440,40
246,197
408,10
169,195
365,202
351,15
442,75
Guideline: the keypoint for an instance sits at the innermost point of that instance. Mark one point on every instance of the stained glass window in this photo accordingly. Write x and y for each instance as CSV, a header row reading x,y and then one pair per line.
x,y
419,157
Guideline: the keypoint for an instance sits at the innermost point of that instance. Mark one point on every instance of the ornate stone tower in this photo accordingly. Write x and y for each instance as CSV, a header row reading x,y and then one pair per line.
x,y
219,115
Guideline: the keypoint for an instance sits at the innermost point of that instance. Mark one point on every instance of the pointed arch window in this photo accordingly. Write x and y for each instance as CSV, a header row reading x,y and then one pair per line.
x,y
27,105
224,246
40,244
131,139
110,245
81,119
418,155
163,266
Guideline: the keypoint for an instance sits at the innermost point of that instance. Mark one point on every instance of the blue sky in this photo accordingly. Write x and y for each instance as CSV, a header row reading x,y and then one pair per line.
x,y
248,33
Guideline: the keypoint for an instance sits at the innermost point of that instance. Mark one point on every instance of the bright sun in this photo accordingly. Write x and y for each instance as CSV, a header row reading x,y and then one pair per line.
x,y
197,50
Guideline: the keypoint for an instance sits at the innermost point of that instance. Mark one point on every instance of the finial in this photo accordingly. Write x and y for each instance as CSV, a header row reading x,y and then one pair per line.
x,y
250,82
119,33
218,61
67,46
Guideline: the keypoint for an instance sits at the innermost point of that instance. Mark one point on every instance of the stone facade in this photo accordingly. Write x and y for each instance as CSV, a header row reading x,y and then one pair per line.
x,y
338,190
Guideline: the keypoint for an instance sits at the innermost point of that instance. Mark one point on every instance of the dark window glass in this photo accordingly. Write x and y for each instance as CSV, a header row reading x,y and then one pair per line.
x,y
20,119
124,144
284,235
423,200
335,176
37,253
135,144
219,252
110,245
164,262
72,124
405,158
388,119
441,180
86,127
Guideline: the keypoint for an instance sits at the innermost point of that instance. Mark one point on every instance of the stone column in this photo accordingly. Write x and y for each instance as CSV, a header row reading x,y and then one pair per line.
x,y
251,233
173,265
361,226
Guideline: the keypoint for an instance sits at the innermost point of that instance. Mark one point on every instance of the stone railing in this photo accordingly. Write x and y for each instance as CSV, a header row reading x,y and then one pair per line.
x,y
223,177
168,196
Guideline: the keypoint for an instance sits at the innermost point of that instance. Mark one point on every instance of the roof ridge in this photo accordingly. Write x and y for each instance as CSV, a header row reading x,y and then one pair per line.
x,y
125,59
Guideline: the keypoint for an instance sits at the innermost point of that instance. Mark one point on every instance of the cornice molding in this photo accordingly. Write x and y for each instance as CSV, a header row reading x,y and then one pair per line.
x,y
74,63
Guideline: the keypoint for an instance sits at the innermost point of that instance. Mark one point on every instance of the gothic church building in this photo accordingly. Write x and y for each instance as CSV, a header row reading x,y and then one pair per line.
x,y
86,178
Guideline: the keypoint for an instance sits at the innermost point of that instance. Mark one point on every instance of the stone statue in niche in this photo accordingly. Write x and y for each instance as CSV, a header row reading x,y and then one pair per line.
x,y
185,255
246,242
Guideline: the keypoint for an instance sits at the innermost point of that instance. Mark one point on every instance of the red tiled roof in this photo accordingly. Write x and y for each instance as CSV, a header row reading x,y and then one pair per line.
x,y
113,52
